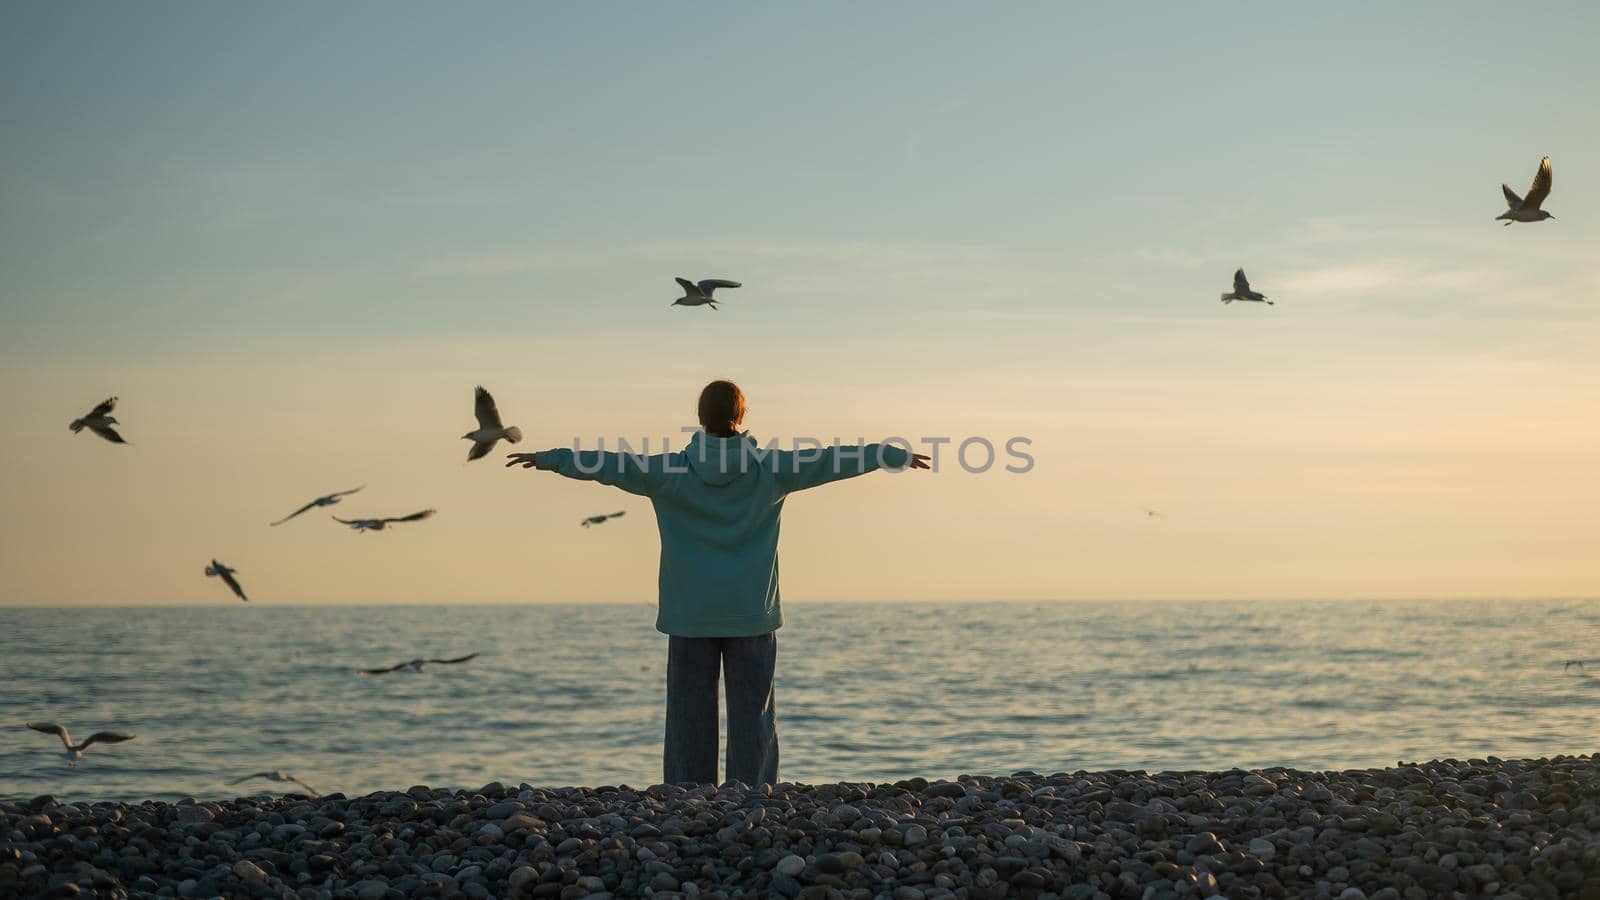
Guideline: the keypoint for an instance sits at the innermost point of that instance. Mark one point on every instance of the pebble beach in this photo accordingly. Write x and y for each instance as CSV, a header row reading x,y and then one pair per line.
x,y
1446,828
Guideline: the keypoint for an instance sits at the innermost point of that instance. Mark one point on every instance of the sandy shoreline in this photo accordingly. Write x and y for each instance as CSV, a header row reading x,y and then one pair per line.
x,y
1514,828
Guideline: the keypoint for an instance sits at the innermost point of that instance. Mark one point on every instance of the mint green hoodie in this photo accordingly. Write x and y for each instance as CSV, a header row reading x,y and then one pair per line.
x,y
718,502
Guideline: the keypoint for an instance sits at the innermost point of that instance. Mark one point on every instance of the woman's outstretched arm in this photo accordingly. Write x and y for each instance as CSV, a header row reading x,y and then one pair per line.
x,y
642,475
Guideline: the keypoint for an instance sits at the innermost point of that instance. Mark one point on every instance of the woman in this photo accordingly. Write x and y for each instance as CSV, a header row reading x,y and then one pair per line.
x,y
718,503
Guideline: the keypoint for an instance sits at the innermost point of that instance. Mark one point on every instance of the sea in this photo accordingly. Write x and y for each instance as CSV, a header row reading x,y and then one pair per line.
x,y
564,695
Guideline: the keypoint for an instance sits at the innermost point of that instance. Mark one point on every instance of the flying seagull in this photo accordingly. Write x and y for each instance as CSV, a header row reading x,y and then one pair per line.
x,y
279,775
1571,663
700,294
1241,291
324,500
596,520
490,431
416,665
381,524
1152,514
218,570
75,751
1526,209
99,420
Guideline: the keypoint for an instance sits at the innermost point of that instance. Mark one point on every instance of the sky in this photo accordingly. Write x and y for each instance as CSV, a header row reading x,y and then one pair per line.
x,y
293,237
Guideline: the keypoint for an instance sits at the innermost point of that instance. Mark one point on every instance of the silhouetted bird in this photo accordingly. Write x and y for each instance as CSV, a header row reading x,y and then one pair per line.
x,y
416,664
1526,209
218,570
490,431
1571,663
99,420
75,751
596,520
325,500
381,524
700,294
1241,291
280,776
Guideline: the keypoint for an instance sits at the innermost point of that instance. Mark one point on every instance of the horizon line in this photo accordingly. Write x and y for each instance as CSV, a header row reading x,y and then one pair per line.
x,y
1431,598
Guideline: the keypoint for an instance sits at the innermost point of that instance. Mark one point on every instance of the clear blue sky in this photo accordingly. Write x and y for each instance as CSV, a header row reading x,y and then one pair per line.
x,y
289,228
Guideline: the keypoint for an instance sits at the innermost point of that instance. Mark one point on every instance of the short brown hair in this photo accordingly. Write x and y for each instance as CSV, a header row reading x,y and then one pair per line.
x,y
721,408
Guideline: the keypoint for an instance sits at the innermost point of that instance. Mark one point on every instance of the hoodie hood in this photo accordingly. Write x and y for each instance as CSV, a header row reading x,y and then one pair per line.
x,y
720,460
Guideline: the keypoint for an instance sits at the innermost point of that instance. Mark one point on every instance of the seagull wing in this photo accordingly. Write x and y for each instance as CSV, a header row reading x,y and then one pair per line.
x,y
106,405
483,408
226,574
250,776
52,728
384,670
617,515
479,450
346,493
710,284
107,737
106,431
1541,186
1241,284
459,659
689,288
296,512
1512,200
414,517
309,789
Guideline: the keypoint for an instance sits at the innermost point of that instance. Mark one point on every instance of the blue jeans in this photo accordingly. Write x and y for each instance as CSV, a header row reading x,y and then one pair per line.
x,y
691,746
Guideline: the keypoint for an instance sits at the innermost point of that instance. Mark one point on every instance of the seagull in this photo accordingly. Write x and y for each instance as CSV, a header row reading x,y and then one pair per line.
x,y
280,776
490,431
99,420
596,520
416,664
700,294
1241,291
381,524
1526,209
218,570
1571,663
324,500
1152,514
75,751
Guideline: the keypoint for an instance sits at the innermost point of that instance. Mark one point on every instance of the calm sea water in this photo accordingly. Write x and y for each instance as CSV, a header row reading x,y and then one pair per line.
x,y
566,695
